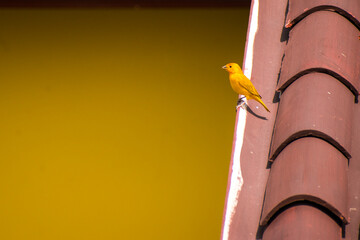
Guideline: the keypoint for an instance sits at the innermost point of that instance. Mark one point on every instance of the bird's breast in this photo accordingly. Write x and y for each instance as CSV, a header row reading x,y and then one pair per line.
x,y
234,82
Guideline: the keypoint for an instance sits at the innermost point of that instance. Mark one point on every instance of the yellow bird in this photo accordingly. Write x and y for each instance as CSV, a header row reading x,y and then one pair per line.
x,y
242,85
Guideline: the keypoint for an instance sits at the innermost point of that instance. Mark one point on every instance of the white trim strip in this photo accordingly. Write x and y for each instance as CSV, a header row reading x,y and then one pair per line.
x,y
236,179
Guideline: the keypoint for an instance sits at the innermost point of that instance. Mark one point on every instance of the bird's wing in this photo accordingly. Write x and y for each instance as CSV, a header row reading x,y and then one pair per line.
x,y
245,83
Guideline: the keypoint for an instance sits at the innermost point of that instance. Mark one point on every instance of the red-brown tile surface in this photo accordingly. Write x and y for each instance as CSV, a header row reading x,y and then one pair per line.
x,y
300,9
352,230
313,186
308,169
323,41
319,78
303,223
318,105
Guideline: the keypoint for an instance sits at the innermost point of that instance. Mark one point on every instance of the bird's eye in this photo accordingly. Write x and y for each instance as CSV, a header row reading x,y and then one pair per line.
x,y
230,66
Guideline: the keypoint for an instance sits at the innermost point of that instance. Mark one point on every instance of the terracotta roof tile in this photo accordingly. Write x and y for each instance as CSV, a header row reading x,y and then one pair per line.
x,y
308,169
323,42
320,72
311,107
303,222
300,9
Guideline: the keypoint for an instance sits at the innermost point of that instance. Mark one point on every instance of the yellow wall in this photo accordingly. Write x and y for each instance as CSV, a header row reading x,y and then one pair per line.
x,y
116,124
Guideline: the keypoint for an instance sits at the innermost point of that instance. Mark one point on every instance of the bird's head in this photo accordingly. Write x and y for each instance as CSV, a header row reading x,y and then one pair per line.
x,y
232,68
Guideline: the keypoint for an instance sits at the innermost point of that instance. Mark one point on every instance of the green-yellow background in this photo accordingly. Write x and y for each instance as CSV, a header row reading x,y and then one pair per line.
x,y
116,124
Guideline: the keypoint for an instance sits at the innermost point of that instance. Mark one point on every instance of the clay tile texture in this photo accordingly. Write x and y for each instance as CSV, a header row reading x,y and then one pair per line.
x,y
299,165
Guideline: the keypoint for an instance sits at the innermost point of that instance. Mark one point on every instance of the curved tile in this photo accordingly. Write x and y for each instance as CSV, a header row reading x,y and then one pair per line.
x,y
303,222
323,42
301,9
321,70
330,106
308,169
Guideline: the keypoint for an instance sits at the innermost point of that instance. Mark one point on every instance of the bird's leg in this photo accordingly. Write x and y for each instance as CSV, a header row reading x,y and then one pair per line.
x,y
240,103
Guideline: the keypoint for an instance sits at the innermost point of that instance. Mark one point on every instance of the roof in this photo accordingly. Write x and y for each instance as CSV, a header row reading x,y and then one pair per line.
x,y
300,168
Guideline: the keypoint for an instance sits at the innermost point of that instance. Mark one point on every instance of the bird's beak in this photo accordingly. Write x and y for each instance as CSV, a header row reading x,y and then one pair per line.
x,y
224,67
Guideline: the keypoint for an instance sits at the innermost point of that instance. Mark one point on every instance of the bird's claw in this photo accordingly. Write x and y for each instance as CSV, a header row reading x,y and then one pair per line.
x,y
240,105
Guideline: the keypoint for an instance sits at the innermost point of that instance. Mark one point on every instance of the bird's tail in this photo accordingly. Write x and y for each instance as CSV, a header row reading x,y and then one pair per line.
x,y
262,103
